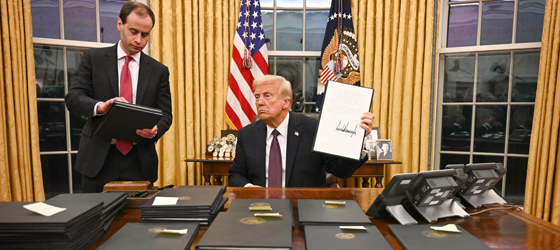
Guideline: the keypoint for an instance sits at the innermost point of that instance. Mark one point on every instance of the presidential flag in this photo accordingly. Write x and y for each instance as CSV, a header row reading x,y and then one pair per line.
x,y
339,53
249,61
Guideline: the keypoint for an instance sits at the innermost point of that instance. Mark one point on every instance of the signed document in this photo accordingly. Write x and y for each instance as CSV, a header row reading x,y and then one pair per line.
x,y
339,131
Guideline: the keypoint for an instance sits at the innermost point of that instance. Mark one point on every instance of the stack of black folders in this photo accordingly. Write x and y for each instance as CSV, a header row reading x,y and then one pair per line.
x,y
251,224
148,235
123,119
113,203
413,237
338,224
194,203
77,227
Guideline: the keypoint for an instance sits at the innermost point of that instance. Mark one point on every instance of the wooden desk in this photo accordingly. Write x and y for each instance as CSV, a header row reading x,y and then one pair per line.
x,y
497,229
219,167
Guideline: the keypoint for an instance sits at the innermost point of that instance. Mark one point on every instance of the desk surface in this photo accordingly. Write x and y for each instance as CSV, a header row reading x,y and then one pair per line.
x,y
498,229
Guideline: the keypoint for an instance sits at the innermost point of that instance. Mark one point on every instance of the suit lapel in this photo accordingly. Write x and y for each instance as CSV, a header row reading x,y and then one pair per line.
x,y
143,77
293,143
111,67
260,149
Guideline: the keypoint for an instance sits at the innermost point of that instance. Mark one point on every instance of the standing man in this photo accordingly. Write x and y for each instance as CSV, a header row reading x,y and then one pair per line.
x,y
120,73
276,150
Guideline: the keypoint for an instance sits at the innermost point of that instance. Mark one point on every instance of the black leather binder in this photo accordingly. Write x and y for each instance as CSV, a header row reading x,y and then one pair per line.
x,y
317,212
148,235
237,230
414,237
123,119
282,206
332,237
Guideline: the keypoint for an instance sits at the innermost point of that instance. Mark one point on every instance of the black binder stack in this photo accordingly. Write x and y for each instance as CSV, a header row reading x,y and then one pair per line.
x,y
317,212
113,202
150,235
77,227
414,237
195,203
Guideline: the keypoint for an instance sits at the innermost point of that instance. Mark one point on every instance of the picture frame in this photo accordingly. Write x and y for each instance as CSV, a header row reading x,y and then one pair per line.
x,y
384,149
369,143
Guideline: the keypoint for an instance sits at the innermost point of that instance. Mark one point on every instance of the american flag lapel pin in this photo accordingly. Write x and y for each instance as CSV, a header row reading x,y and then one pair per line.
x,y
296,133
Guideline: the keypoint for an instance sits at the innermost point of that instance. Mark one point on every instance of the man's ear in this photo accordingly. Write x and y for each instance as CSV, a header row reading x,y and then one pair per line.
x,y
119,24
286,104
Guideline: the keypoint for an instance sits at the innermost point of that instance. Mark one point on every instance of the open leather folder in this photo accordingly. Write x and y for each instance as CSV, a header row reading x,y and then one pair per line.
x,y
123,119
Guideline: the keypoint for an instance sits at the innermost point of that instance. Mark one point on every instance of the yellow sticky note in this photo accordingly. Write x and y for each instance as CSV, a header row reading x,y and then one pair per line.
x,y
261,208
268,215
447,228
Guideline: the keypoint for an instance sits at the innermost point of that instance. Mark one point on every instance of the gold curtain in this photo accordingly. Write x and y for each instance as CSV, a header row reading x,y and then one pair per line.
x,y
194,38
542,193
395,41
20,163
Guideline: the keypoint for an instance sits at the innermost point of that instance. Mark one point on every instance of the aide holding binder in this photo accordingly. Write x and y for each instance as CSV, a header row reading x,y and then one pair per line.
x,y
120,73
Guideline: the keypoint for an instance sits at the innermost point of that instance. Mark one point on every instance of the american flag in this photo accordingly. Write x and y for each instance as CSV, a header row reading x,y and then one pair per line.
x,y
249,61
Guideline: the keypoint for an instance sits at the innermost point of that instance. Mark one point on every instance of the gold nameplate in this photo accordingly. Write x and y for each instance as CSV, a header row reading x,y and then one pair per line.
x,y
335,202
263,208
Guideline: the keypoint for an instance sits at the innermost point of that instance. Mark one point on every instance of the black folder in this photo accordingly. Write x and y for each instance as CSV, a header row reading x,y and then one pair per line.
x,y
414,237
317,212
123,119
282,206
332,237
238,230
147,235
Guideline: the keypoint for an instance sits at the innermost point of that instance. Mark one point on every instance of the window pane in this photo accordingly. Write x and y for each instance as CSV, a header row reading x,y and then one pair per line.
x,y
530,18
76,177
486,158
108,15
521,122
291,68
311,78
493,78
458,79
267,3
315,25
497,22
73,59
52,129
49,71
55,175
318,3
46,18
456,128
290,28
490,126
462,26
446,159
79,20
267,18
289,3
525,76
516,177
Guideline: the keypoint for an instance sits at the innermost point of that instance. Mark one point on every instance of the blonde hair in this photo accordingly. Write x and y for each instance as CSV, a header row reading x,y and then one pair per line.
x,y
284,87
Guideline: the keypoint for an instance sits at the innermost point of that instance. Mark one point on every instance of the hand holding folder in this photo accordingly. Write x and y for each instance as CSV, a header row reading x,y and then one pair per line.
x,y
123,119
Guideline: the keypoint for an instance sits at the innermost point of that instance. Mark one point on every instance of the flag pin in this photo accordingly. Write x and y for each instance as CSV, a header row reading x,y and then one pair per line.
x,y
296,133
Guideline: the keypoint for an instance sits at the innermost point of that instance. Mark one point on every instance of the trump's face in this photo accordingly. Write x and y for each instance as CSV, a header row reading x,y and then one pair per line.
x,y
270,103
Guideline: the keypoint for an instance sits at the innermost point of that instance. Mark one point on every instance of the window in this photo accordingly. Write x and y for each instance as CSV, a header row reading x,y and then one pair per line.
x,y
294,31
63,30
488,71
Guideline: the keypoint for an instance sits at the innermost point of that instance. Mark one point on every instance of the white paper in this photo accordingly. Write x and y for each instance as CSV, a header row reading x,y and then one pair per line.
x,y
353,227
165,201
43,208
447,228
268,215
180,231
339,131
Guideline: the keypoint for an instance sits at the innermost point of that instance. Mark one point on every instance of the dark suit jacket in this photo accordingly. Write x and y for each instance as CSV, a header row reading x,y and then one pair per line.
x,y
95,80
303,167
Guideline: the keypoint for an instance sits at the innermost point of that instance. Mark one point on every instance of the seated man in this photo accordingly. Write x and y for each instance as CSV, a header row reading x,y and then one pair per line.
x,y
276,150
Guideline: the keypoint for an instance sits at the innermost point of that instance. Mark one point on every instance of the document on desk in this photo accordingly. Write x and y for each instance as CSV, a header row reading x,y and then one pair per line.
x,y
339,131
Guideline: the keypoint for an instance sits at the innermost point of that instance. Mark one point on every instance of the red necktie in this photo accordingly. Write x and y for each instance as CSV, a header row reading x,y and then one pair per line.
x,y
126,92
275,162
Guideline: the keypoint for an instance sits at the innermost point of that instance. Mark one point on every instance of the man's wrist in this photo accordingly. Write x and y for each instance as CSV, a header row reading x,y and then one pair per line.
x,y
248,185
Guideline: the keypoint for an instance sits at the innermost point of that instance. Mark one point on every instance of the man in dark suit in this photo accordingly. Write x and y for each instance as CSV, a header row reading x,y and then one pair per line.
x,y
120,73
289,134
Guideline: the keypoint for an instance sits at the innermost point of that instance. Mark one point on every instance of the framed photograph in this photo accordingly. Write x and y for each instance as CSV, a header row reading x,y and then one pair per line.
x,y
384,149
369,142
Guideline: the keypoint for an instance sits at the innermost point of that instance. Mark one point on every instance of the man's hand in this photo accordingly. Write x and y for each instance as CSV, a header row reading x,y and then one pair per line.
x,y
147,133
367,122
253,186
104,106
